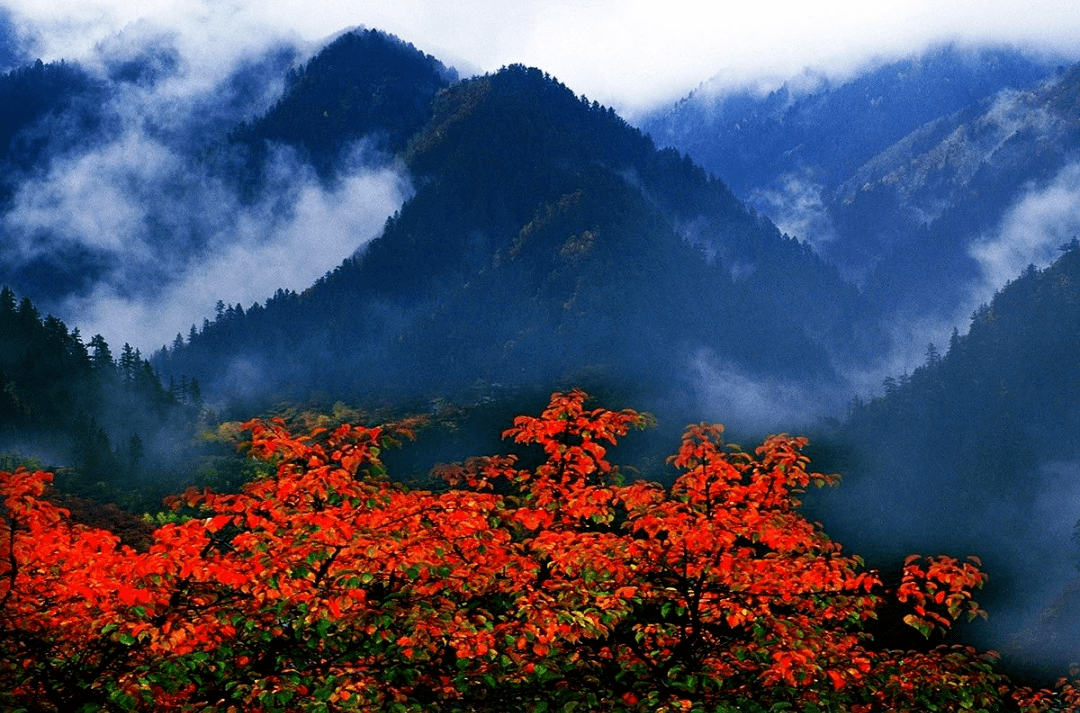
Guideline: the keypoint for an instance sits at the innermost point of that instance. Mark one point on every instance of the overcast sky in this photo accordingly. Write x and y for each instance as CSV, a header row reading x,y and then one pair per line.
x,y
629,54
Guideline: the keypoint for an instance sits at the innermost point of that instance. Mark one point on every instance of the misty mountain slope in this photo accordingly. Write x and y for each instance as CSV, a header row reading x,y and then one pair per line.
x,y
75,406
862,168
13,42
546,237
964,203
363,85
43,104
143,217
821,130
930,182
976,452
46,111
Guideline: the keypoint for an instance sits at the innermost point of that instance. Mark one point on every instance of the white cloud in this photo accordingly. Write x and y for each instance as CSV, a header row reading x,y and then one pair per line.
x,y
1040,221
729,394
97,199
250,251
797,206
625,53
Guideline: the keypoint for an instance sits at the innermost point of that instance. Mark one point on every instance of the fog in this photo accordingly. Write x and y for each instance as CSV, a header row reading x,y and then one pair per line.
x,y
798,207
1044,218
619,53
167,234
252,251
1044,624
756,404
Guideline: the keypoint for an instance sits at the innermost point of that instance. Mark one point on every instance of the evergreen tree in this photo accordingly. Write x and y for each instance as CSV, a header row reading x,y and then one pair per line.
x,y
128,362
136,452
101,359
932,355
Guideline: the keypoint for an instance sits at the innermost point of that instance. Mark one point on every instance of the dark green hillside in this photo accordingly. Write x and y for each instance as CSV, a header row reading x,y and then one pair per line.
x,y
981,415
33,96
546,237
365,84
976,450
107,419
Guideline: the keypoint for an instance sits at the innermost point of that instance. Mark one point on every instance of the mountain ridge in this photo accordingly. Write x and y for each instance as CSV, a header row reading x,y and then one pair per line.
x,y
835,126
476,215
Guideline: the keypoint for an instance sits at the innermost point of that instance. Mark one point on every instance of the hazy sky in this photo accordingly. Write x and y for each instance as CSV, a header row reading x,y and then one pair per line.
x,y
624,53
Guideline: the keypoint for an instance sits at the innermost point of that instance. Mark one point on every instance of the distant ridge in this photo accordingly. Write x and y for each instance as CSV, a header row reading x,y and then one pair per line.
x,y
546,237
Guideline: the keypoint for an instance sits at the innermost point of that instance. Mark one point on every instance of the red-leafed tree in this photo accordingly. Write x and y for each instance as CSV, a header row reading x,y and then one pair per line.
x,y
328,587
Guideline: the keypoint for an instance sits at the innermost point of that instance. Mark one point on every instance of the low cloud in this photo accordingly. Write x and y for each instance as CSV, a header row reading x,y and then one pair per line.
x,y
101,199
797,206
1041,221
729,394
243,252
159,231
619,53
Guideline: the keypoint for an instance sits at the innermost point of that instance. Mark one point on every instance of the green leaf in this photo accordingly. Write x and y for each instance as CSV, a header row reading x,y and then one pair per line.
x,y
124,701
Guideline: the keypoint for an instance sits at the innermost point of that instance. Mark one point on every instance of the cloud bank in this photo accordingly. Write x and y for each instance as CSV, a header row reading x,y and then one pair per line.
x,y
1035,227
250,251
160,232
630,54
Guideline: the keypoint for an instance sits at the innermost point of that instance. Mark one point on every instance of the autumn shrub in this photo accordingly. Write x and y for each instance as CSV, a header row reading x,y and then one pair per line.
x,y
328,587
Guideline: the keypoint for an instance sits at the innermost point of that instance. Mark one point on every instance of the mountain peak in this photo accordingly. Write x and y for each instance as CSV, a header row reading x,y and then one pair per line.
x,y
364,84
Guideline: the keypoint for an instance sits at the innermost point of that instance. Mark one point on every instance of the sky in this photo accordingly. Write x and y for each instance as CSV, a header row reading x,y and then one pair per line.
x,y
629,54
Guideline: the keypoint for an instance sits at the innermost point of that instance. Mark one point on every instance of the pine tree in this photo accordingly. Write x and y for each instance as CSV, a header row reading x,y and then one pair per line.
x,y
101,359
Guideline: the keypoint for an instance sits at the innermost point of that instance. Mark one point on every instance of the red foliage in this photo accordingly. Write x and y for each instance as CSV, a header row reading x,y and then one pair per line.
x,y
328,587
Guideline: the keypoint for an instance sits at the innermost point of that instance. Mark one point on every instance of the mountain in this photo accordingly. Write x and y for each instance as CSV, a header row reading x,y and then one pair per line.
x,y
546,238
825,129
126,180
967,199
895,174
975,452
364,85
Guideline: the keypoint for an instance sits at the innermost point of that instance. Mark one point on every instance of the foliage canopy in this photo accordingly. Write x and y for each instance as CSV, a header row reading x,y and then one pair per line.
x,y
327,587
